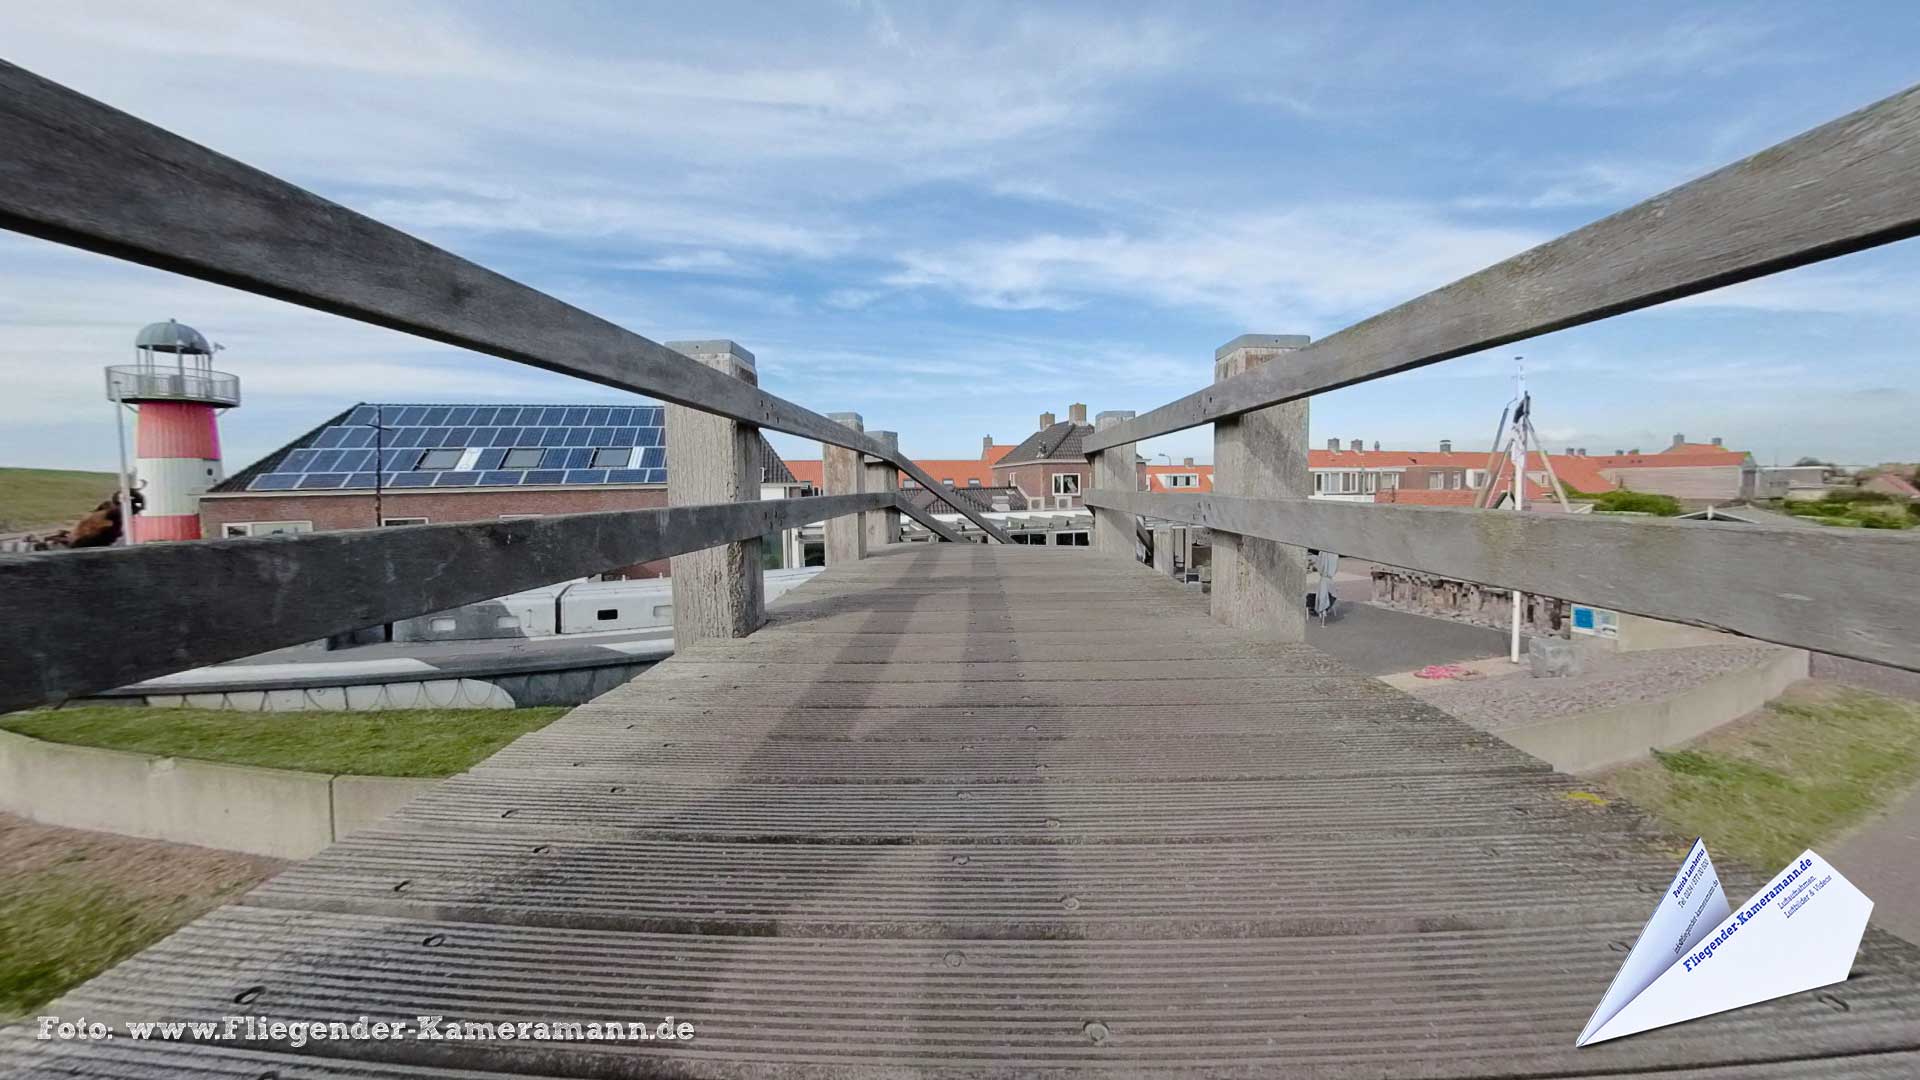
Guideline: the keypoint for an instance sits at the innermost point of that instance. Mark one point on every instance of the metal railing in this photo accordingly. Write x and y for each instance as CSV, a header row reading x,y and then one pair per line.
x,y
1843,187
80,173
131,383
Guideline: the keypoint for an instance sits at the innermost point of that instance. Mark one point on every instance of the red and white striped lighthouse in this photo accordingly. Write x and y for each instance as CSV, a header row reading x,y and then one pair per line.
x,y
178,396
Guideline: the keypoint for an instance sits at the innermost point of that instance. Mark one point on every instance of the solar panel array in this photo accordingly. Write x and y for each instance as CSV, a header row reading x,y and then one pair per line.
x,y
443,446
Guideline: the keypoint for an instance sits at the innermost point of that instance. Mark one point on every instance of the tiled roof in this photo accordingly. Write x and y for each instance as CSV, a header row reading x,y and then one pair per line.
x,y
1425,497
1056,443
994,453
1156,475
980,498
959,470
1697,448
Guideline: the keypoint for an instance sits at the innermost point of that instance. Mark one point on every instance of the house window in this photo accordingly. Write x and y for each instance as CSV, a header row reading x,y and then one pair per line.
x,y
403,521
973,481
613,457
522,459
1183,480
519,517
1389,481
1066,483
1319,483
1070,539
265,528
1436,481
947,480
439,459
1349,482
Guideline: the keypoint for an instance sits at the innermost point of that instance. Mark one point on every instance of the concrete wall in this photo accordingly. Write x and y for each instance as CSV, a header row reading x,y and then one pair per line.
x,y
1715,483
276,812
1638,633
1623,733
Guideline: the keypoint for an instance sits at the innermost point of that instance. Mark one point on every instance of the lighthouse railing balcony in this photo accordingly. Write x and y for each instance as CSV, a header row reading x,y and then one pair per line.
x,y
1843,187
132,383
78,172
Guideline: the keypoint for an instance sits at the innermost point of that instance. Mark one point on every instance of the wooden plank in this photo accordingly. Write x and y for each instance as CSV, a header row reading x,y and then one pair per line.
x,y
81,173
1847,185
74,622
1854,594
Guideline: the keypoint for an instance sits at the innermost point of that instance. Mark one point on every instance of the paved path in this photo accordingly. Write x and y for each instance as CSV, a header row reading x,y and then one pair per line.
x,y
970,811
1882,858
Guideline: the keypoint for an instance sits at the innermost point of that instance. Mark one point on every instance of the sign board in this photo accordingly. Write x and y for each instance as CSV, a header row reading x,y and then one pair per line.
x,y
1597,622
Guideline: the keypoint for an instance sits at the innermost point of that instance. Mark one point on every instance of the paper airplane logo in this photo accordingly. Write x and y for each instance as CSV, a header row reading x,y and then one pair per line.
x,y
1696,956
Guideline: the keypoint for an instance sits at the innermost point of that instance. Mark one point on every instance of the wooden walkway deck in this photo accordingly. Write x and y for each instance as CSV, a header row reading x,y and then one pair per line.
x,y
969,810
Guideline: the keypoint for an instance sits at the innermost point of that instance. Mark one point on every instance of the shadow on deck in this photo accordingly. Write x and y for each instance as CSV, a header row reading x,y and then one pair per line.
x,y
983,810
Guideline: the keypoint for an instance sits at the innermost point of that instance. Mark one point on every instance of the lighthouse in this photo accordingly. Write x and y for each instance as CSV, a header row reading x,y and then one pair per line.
x,y
177,398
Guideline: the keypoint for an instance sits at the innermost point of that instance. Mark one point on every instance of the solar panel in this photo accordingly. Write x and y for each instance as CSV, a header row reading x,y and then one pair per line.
x,y
480,446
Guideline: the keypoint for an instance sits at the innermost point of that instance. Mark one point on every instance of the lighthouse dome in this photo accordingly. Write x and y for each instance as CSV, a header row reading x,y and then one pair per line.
x,y
172,337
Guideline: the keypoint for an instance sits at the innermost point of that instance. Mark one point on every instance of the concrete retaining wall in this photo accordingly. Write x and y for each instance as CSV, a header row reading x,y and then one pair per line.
x,y
1622,733
277,812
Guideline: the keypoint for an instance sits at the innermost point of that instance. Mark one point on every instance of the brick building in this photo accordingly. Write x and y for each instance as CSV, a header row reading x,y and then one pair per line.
x,y
1048,468
450,463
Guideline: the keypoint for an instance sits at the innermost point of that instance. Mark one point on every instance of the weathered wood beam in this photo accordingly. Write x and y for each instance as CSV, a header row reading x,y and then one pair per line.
x,y
1854,594
78,172
76,622
933,524
1850,184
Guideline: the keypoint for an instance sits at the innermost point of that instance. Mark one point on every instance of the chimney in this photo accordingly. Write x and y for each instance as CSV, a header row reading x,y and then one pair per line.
x,y
1077,413
1678,439
1376,446
1357,445
1635,450
1333,445
1046,420
1186,461
1717,441
1446,446
986,446
1618,453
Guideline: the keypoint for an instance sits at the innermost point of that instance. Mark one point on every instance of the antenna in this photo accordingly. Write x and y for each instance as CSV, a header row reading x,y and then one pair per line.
x,y
1515,439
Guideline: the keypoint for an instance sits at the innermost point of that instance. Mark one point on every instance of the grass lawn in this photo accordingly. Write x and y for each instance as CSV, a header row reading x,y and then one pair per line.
x,y
409,742
74,903
37,499
1813,763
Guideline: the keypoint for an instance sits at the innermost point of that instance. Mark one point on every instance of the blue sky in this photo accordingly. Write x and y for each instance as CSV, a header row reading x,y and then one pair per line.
x,y
951,218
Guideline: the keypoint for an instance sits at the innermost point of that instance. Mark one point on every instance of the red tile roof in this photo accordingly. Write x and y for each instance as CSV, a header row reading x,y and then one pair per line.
x,y
1156,473
1426,497
961,470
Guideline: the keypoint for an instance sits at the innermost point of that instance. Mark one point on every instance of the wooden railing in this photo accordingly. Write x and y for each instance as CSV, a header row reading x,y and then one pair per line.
x,y
1843,187
80,173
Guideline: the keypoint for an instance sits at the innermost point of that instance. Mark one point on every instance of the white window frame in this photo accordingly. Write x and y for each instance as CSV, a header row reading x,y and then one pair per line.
x,y
1183,480
248,528
1075,485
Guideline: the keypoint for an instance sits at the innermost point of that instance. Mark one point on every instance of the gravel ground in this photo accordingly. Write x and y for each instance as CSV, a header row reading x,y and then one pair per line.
x,y
1493,704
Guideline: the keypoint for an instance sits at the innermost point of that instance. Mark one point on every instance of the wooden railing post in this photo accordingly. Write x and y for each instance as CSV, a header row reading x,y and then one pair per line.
x,y
1163,549
719,592
1260,585
883,526
845,473
1113,530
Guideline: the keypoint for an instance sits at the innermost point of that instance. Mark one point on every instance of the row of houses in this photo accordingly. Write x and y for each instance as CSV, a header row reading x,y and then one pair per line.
x,y
405,464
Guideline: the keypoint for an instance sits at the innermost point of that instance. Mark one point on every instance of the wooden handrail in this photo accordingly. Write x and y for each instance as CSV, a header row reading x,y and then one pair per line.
x,y
81,173
1854,594
75,622
1842,187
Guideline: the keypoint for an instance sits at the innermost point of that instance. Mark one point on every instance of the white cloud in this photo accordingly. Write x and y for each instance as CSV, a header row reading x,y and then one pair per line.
x,y
1318,263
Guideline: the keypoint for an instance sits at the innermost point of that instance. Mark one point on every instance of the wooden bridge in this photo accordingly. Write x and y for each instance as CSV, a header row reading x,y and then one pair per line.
x,y
957,809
